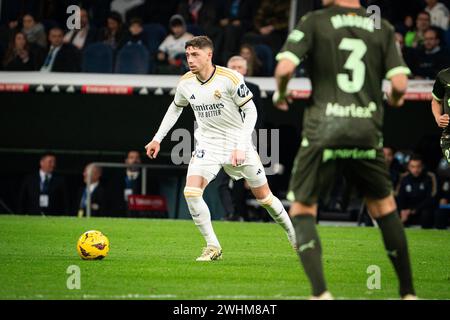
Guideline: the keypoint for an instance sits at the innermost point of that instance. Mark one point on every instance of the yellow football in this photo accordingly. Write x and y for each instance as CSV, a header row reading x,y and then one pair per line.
x,y
93,245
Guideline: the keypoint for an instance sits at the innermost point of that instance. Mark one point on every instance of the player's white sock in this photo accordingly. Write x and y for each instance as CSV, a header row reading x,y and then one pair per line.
x,y
200,214
276,210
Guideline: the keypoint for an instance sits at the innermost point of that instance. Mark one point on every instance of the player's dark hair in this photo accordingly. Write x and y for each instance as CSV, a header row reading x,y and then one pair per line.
x,y
200,42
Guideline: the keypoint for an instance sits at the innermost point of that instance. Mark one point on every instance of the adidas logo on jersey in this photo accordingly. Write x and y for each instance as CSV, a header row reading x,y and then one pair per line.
x,y
259,171
192,97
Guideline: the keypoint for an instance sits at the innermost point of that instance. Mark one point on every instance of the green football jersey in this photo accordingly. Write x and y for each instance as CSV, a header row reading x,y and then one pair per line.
x,y
441,92
347,58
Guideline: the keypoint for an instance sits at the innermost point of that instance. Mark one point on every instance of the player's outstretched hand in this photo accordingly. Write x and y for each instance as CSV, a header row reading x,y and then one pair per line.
x,y
237,157
152,149
281,101
443,121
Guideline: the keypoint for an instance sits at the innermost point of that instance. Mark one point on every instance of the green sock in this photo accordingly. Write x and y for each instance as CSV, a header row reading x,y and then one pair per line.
x,y
397,248
310,251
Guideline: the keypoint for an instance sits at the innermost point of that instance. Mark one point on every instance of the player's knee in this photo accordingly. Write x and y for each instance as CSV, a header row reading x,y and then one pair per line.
x,y
261,192
381,207
298,209
191,193
194,200
267,201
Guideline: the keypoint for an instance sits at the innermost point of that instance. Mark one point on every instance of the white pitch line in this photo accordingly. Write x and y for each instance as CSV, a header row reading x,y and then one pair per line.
x,y
250,297
278,297
174,296
130,296
100,297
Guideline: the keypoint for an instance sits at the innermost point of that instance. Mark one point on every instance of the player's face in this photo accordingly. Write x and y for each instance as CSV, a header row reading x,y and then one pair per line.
x,y
238,66
198,59
415,167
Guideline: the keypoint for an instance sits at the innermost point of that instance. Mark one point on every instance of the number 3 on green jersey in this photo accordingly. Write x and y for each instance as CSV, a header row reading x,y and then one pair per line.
x,y
354,63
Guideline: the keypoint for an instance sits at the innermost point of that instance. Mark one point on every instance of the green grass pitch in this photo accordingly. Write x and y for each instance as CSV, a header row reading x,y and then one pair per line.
x,y
155,259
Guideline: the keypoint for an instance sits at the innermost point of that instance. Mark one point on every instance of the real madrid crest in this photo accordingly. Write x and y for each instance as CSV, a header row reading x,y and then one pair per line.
x,y
217,94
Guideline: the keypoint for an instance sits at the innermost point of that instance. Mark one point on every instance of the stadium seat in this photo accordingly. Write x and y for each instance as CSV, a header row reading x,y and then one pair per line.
x,y
133,59
195,30
265,54
155,34
97,58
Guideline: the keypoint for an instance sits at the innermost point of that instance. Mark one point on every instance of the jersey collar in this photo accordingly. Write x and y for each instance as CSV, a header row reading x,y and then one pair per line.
x,y
209,79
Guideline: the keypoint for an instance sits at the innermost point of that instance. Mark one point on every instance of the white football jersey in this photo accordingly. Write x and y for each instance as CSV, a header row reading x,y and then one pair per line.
x,y
217,104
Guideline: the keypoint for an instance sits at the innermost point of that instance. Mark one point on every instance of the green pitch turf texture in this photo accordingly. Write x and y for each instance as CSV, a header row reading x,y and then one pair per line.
x,y
155,259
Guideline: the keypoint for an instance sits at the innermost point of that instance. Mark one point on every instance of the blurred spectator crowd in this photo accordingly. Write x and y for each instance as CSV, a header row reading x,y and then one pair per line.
x,y
422,195
147,37
46,192
424,40
138,36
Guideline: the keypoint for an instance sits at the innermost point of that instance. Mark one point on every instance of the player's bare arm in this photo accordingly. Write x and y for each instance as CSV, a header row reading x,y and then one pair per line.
x,y
283,73
442,120
399,84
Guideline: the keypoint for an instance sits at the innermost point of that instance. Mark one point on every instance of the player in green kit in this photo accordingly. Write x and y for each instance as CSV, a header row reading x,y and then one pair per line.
x,y
440,105
347,58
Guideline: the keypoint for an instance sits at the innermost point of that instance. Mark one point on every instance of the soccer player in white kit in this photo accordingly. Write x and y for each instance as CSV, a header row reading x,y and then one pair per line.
x,y
226,117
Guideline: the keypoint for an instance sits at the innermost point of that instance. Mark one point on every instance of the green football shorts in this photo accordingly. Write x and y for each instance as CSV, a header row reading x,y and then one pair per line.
x,y
316,168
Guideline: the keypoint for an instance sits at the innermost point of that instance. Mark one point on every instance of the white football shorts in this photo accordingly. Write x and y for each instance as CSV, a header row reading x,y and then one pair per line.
x,y
208,164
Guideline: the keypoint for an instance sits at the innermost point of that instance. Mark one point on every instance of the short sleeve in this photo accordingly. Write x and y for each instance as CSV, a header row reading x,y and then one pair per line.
x,y
393,60
299,42
240,93
438,89
180,100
